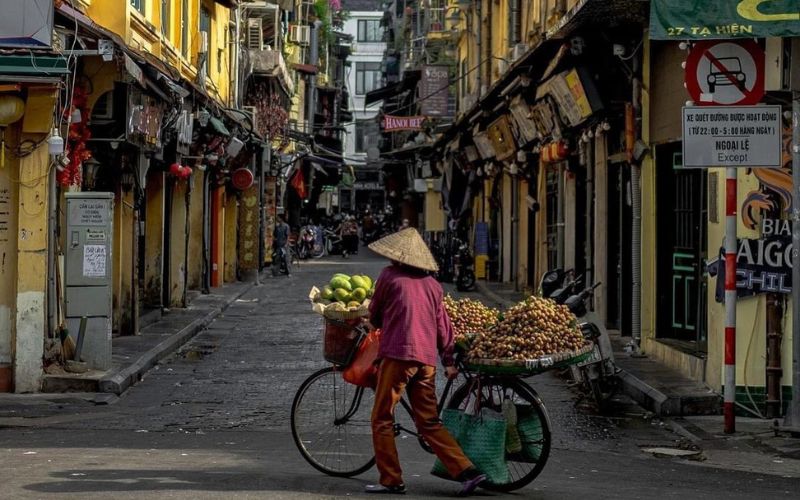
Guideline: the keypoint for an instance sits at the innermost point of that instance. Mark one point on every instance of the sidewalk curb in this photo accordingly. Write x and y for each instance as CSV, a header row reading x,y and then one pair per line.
x,y
120,381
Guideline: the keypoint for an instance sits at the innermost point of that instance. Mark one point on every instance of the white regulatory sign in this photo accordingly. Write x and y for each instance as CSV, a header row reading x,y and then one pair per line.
x,y
732,136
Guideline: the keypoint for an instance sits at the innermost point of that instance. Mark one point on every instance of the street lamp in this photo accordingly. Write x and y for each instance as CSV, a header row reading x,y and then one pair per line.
x,y
90,168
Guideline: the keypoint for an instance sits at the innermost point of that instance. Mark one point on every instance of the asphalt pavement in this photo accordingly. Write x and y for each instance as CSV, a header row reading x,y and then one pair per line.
x,y
212,421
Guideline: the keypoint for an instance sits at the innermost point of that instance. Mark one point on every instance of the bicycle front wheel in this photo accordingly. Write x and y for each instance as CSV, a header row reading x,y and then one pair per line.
x,y
533,425
331,424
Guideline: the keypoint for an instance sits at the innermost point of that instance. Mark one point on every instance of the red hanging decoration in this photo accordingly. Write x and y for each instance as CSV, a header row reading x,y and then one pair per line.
x,y
78,136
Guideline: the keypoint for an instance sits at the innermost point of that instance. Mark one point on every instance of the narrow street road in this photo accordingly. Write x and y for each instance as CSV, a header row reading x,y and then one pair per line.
x,y
212,421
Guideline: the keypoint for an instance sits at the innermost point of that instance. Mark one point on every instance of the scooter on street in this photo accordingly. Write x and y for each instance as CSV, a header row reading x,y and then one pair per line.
x,y
464,268
598,374
308,246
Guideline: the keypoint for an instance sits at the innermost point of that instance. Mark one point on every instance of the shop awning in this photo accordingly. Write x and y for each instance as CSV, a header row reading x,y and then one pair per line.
x,y
220,127
409,81
605,13
33,64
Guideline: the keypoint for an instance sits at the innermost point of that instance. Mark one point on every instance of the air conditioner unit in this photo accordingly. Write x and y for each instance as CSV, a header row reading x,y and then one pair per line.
x,y
518,51
203,48
255,34
300,34
251,110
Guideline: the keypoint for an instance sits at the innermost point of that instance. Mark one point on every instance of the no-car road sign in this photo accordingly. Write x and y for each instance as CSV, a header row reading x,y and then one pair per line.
x,y
725,73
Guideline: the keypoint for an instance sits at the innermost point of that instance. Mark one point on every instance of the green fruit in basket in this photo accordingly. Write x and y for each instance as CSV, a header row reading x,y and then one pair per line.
x,y
358,295
353,304
341,295
358,282
370,292
327,293
341,283
368,281
342,275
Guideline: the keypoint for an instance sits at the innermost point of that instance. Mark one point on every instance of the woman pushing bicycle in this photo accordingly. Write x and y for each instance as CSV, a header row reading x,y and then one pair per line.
x,y
407,306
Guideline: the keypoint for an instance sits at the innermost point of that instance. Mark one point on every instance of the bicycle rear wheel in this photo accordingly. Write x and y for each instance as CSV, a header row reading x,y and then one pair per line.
x,y
331,424
533,425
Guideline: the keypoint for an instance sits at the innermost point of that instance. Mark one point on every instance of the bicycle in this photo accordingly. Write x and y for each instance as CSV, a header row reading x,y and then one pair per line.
x,y
330,421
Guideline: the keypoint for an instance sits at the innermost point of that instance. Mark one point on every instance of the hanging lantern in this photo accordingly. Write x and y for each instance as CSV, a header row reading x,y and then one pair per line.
x,y
11,110
175,169
555,151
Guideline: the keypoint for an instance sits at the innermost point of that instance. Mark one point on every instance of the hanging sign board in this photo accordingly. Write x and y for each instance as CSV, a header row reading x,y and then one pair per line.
x,y
732,136
434,90
725,73
396,123
715,19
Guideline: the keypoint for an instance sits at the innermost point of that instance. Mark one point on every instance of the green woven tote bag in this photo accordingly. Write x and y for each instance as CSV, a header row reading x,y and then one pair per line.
x,y
483,439
531,434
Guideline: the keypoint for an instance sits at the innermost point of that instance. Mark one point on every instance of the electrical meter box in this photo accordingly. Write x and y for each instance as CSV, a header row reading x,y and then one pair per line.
x,y
87,274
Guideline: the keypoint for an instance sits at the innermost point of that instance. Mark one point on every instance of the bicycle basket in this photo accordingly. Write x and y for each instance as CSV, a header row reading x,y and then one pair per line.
x,y
340,340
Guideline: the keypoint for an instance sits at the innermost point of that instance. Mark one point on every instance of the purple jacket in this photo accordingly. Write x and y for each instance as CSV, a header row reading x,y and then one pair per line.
x,y
407,306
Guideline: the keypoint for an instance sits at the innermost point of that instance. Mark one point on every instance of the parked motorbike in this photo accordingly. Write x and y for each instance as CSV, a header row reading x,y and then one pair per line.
x,y
334,244
463,265
598,374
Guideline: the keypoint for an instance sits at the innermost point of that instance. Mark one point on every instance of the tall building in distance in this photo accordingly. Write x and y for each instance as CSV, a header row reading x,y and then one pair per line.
x,y
363,189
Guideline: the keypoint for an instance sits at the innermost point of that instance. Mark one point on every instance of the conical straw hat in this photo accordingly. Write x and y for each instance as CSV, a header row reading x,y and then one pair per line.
x,y
406,247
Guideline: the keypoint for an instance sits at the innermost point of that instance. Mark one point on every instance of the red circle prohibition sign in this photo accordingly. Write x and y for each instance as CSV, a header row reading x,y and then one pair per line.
x,y
725,73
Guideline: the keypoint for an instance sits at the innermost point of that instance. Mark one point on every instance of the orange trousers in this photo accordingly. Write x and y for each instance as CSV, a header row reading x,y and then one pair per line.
x,y
418,380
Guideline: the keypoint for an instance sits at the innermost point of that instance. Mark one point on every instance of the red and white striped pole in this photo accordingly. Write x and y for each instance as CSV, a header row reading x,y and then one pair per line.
x,y
731,249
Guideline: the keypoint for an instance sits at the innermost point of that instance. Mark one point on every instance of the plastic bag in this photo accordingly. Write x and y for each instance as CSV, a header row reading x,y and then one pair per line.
x,y
363,371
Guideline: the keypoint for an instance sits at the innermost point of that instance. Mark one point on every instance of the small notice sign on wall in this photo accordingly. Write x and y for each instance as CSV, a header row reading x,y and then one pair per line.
x,y
94,261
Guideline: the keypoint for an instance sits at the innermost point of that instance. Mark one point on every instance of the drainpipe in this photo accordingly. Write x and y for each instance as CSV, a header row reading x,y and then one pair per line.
x,y
588,158
489,59
53,293
189,183
636,195
236,54
311,93
478,32
206,280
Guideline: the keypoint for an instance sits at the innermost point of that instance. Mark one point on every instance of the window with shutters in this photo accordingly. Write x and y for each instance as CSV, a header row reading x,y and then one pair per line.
x,y
361,133
185,28
369,30
514,22
138,5
368,77
205,25
166,7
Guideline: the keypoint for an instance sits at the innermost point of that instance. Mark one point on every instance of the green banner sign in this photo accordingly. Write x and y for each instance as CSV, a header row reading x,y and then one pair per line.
x,y
710,19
